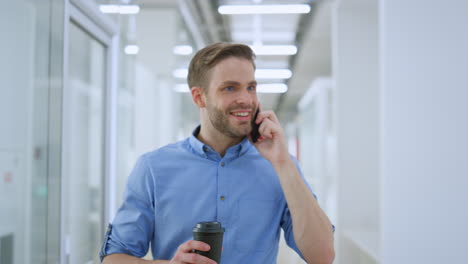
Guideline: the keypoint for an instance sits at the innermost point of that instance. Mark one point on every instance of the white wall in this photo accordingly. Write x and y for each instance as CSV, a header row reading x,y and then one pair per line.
x,y
400,70
424,53
355,71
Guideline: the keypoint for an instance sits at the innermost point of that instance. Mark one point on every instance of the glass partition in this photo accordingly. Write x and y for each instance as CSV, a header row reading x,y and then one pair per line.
x,y
26,130
85,137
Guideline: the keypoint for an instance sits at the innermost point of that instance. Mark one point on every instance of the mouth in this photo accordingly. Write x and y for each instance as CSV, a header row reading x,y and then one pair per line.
x,y
241,115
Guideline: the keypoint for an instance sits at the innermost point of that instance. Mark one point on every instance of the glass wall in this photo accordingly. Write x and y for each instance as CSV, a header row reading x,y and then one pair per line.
x,y
26,178
54,117
84,124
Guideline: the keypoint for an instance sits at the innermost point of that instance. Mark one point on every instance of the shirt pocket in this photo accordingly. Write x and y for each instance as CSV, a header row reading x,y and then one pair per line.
x,y
257,225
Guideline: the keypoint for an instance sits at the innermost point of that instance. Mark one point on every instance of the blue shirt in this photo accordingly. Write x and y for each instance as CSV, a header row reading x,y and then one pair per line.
x,y
174,187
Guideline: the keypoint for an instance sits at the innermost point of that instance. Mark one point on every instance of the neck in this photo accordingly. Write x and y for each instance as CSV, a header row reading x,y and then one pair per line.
x,y
215,139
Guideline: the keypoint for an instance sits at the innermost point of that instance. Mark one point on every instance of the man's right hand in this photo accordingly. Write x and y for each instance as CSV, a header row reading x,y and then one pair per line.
x,y
185,255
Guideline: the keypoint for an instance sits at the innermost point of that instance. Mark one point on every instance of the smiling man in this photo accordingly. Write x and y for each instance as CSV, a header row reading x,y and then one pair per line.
x,y
219,174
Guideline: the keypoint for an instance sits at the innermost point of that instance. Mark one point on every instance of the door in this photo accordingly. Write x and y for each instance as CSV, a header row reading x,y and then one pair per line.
x,y
87,131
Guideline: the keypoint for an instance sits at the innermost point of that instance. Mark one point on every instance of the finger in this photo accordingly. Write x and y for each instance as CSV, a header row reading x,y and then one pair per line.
x,y
268,133
267,128
267,115
193,244
272,116
262,128
194,258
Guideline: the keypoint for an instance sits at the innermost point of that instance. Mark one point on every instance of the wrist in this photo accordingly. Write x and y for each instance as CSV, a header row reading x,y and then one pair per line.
x,y
282,161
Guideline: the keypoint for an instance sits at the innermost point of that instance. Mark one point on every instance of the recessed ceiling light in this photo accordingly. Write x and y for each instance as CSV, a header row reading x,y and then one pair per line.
x,y
183,50
180,73
272,88
275,50
120,9
273,74
263,9
131,49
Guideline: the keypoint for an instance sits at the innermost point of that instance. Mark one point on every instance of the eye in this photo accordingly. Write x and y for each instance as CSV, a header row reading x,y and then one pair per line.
x,y
251,88
229,88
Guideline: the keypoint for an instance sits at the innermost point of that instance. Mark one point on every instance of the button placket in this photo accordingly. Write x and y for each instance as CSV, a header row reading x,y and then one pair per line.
x,y
222,193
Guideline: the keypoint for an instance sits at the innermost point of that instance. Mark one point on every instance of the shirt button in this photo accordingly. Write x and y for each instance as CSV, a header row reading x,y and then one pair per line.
x,y
222,198
222,164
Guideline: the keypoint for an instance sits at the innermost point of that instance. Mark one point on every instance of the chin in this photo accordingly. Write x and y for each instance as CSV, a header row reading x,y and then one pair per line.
x,y
244,133
235,133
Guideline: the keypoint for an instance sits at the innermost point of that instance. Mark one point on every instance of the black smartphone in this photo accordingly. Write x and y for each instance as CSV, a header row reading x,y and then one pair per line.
x,y
255,134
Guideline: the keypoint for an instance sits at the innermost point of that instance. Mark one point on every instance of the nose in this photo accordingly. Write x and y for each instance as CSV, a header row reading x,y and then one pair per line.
x,y
245,98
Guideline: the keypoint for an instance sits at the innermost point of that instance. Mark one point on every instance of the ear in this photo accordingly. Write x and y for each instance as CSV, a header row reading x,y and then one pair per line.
x,y
198,96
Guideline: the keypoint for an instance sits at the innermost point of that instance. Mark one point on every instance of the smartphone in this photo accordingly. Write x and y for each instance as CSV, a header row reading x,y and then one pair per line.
x,y
255,134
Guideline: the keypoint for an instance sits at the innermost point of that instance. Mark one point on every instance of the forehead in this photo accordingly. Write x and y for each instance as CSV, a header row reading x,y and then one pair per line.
x,y
232,69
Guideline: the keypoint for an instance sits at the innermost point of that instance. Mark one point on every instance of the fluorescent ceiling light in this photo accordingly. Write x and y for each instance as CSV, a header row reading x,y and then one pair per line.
x,y
259,73
267,36
275,50
272,88
131,49
273,74
263,9
120,9
182,88
183,50
180,73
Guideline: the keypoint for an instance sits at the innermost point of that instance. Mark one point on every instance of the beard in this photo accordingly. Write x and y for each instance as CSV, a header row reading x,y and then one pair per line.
x,y
220,121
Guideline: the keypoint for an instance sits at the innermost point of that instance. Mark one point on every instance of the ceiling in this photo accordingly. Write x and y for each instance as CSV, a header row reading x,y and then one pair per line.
x,y
309,32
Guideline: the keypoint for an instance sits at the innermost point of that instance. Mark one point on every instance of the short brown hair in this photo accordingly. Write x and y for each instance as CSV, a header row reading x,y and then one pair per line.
x,y
206,58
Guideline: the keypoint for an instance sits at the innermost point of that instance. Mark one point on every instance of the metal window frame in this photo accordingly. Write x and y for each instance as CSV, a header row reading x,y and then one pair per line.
x,y
86,14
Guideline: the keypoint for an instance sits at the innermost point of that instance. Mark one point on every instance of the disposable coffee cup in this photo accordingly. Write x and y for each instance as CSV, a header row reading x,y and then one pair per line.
x,y
212,234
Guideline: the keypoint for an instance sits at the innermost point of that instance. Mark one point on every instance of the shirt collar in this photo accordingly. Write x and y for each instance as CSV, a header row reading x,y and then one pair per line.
x,y
202,149
196,144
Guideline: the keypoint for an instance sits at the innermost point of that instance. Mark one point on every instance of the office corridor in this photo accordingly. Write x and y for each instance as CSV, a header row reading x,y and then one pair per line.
x,y
371,95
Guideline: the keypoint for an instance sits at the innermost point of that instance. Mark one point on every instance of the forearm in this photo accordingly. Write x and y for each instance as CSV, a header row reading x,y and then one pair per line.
x,y
127,259
312,229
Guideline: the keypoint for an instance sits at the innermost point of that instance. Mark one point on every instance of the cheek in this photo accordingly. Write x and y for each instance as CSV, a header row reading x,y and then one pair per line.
x,y
216,106
255,100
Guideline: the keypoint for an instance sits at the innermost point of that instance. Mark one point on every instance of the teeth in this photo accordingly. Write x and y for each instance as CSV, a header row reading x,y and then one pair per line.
x,y
241,114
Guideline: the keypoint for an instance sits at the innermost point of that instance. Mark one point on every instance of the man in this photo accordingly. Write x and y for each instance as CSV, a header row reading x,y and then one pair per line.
x,y
218,174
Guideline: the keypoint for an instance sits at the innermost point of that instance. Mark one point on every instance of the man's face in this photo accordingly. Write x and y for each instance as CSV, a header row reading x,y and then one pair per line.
x,y
231,99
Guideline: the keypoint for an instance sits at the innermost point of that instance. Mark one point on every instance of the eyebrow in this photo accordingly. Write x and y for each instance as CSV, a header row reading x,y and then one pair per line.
x,y
236,83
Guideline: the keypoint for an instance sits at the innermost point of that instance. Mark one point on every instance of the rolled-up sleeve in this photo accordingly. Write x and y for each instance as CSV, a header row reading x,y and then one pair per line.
x,y
133,226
